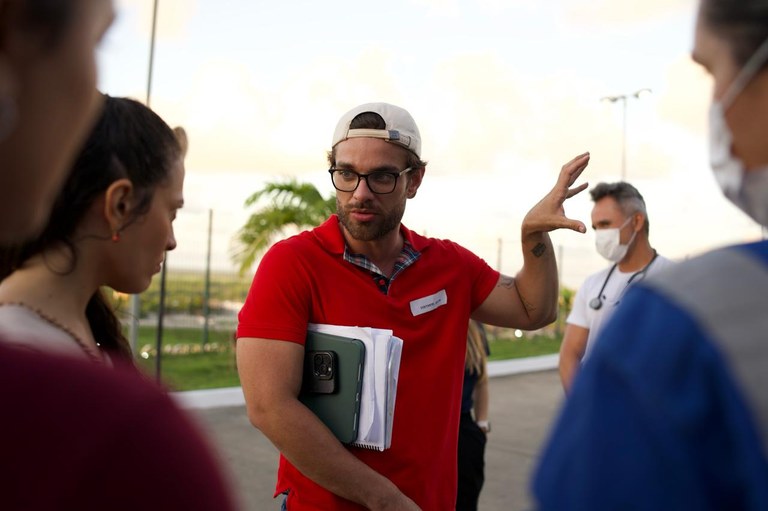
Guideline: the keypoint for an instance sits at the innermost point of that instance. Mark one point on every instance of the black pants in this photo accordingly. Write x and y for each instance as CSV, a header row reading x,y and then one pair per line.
x,y
471,458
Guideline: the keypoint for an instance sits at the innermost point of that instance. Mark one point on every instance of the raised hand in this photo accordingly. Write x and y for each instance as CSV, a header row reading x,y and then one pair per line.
x,y
549,213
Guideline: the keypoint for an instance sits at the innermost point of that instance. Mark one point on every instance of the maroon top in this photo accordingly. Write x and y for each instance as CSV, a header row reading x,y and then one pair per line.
x,y
77,435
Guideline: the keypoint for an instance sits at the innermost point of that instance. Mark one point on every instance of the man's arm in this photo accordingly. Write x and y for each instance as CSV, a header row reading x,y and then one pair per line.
x,y
271,373
529,300
571,352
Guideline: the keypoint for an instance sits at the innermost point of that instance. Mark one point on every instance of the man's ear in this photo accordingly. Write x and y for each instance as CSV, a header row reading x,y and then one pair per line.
x,y
416,176
639,222
118,203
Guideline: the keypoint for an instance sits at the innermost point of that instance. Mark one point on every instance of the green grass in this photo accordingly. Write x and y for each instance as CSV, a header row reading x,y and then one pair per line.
x,y
506,348
217,369
195,371
148,335
192,371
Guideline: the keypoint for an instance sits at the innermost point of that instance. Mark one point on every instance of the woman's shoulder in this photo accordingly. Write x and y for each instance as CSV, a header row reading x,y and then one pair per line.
x,y
22,326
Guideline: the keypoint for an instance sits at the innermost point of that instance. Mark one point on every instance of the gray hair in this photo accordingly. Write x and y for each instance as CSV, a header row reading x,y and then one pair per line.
x,y
626,196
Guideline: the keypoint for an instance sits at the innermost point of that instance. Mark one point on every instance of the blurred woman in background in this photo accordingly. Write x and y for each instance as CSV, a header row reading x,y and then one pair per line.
x,y
473,424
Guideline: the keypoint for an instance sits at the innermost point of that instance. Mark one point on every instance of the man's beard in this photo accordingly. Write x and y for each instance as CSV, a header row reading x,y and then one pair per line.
x,y
376,229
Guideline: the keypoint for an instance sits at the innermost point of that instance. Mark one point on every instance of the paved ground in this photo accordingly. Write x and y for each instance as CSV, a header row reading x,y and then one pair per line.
x,y
522,408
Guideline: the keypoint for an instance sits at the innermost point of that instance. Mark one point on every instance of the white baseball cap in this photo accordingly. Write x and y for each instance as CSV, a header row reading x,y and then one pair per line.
x,y
400,127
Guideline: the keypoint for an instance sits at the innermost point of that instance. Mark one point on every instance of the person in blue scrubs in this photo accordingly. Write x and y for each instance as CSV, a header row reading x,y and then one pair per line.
x,y
671,412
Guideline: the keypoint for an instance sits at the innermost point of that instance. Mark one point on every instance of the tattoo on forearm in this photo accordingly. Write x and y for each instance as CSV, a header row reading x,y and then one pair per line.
x,y
539,249
509,283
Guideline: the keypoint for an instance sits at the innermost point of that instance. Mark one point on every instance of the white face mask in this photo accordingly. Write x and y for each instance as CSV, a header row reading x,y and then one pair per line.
x,y
747,190
608,244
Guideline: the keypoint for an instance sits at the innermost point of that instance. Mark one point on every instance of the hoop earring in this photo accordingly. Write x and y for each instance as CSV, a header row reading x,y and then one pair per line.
x,y
8,115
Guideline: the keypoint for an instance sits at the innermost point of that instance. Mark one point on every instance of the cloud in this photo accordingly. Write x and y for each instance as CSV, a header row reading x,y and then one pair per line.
x,y
688,95
601,12
440,8
477,113
484,113
173,16
236,121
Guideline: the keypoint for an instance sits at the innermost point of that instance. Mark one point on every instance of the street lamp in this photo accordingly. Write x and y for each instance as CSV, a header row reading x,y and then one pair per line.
x,y
623,98
135,299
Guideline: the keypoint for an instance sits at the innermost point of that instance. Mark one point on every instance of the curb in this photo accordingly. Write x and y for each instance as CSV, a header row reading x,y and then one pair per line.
x,y
233,396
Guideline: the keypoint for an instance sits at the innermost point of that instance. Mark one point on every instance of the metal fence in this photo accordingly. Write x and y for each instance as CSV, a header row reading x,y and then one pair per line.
x,y
203,291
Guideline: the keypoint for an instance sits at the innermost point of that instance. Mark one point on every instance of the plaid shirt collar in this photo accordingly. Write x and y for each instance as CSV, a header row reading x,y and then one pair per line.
x,y
408,256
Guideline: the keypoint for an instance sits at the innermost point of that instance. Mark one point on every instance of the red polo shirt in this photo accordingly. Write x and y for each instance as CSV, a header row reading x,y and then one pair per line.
x,y
305,279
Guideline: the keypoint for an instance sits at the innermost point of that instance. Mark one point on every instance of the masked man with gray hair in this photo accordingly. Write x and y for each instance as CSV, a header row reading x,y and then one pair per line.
x,y
620,220
363,267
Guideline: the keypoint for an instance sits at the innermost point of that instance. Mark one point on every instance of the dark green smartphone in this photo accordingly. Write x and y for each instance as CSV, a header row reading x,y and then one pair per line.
x,y
319,372
332,382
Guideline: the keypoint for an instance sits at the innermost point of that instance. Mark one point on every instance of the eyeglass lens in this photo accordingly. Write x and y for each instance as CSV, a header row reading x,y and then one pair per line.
x,y
378,182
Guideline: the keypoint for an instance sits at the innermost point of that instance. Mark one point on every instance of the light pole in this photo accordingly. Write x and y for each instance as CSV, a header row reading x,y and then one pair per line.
x,y
135,299
623,98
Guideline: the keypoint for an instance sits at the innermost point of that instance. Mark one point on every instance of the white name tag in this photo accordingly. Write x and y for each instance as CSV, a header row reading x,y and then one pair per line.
x,y
429,303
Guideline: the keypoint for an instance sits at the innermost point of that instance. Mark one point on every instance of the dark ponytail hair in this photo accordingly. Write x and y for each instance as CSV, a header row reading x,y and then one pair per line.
x,y
129,141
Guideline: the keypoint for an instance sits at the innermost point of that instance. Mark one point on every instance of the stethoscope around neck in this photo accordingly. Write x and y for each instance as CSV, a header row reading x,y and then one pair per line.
x,y
597,302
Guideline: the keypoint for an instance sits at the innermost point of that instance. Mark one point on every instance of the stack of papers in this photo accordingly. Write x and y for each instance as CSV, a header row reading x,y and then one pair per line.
x,y
379,388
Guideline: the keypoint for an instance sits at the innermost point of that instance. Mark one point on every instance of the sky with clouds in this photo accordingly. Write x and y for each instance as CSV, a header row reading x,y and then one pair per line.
x,y
504,92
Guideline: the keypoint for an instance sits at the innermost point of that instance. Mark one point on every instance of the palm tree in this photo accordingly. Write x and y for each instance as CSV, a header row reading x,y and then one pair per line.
x,y
292,204
564,305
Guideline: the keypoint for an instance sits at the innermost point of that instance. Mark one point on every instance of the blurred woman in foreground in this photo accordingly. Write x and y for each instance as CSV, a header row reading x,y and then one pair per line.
x,y
76,435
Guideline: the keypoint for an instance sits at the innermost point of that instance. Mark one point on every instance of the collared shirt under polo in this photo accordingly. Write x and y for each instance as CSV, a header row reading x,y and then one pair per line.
x,y
408,256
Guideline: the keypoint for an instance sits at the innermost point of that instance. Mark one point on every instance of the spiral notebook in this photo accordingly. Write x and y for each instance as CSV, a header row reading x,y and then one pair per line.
x,y
379,384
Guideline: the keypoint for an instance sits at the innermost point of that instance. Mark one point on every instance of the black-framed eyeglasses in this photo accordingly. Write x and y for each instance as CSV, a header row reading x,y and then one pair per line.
x,y
379,181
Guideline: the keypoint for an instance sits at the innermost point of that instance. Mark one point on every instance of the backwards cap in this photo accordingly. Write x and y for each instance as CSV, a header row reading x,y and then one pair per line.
x,y
400,127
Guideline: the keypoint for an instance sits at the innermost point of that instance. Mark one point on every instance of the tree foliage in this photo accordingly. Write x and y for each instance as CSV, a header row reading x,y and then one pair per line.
x,y
280,206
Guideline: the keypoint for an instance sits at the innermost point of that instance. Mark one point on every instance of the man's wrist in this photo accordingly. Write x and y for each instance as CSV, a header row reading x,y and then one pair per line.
x,y
536,243
484,425
532,234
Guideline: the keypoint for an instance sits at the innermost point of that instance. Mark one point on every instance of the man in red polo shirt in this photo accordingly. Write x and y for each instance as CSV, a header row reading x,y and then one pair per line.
x,y
363,267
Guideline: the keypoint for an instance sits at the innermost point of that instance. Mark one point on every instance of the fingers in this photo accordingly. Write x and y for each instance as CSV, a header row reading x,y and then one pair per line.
x,y
578,226
579,165
554,222
573,169
577,190
574,225
576,158
549,214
